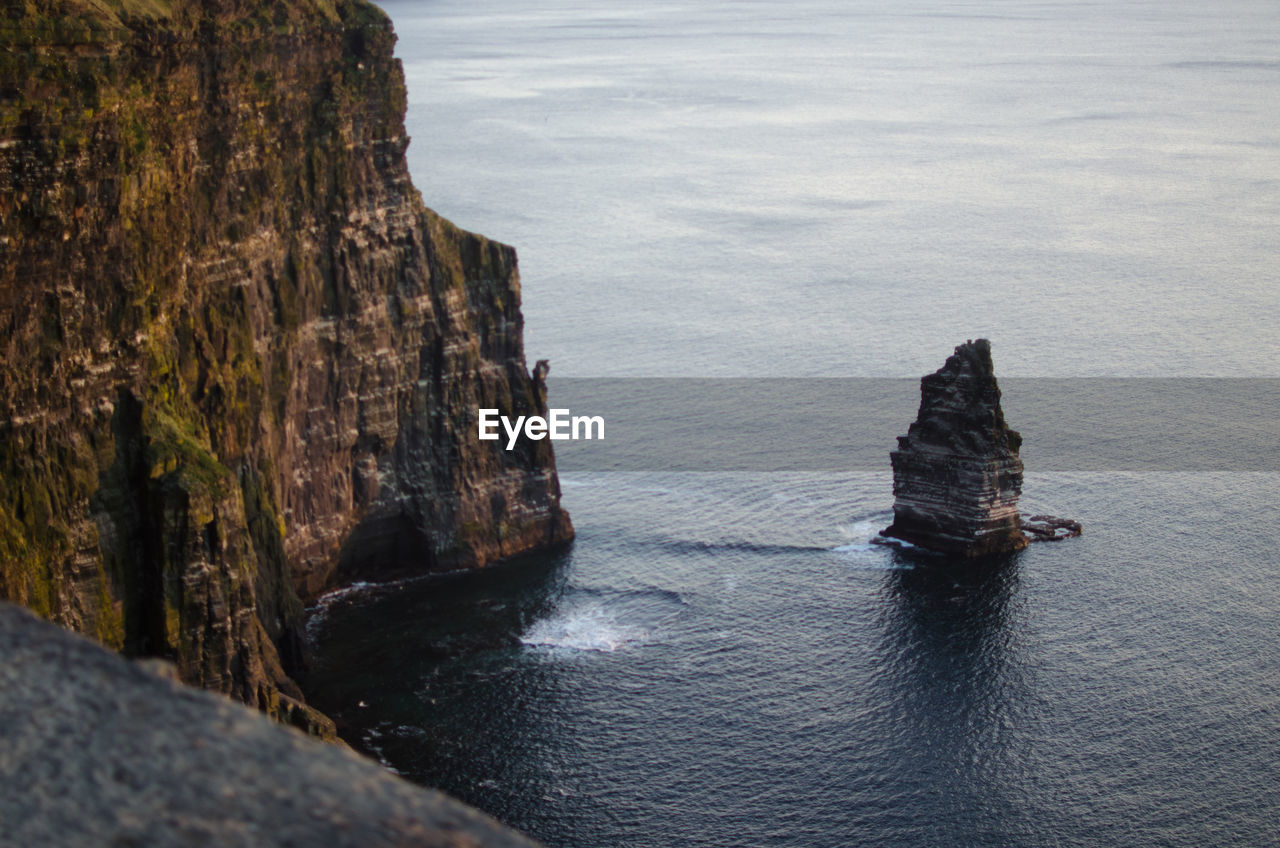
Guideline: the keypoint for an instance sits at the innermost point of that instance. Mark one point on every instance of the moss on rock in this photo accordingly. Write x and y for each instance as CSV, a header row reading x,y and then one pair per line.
x,y
236,343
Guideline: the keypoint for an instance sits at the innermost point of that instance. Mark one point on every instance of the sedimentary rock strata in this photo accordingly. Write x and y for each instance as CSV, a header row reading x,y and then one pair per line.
x,y
239,359
957,474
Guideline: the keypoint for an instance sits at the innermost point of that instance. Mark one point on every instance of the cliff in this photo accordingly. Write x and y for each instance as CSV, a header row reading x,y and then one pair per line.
x,y
957,475
101,752
240,359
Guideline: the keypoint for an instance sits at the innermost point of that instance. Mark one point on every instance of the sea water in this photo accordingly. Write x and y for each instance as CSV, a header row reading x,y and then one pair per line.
x,y
849,189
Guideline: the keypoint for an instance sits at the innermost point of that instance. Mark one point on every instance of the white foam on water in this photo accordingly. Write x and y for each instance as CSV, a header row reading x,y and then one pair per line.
x,y
319,609
855,547
591,626
861,536
345,591
864,538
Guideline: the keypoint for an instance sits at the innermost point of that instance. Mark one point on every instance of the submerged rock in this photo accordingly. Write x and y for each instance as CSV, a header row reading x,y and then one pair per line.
x,y
957,474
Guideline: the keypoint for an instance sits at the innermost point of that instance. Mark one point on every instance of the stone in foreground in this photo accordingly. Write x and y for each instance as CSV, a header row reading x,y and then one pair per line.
x,y
957,474
98,751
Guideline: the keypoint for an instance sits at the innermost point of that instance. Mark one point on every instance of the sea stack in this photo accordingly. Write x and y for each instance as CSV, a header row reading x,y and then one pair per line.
x,y
957,474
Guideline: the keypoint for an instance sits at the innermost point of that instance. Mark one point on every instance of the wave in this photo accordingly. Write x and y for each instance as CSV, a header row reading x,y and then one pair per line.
x,y
864,538
318,610
605,621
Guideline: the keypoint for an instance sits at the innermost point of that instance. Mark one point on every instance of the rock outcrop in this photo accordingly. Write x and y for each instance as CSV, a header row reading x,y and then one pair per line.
x,y
1050,528
239,359
98,751
957,475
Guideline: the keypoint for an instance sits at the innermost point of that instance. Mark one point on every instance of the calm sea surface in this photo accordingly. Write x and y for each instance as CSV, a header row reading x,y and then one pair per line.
x,y
826,189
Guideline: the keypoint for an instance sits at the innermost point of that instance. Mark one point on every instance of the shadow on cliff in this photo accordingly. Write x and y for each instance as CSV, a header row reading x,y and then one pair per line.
x,y
438,500
127,503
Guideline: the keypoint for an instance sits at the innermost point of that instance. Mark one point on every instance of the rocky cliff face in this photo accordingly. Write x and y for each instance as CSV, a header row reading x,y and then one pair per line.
x,y
240,359
957,475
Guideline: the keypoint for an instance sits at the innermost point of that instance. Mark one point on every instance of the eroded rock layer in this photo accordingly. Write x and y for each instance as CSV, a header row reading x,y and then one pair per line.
x,y
239,359
957,475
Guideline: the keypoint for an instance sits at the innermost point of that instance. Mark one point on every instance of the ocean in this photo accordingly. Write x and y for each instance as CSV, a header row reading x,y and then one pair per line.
x,y
725,190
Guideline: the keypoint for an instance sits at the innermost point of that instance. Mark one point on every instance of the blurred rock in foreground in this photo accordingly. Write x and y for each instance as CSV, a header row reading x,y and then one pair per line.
x,y
96,750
